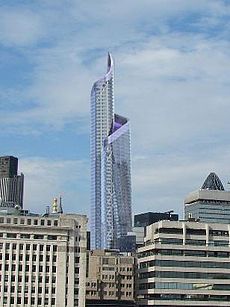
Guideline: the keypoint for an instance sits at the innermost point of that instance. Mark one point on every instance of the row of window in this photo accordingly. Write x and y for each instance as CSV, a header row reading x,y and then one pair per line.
x,y
190,275
19,289
192,231
28,246
32,301
190,242
29,257
188,297
178,252
27,268
189,264
184,286
28,236
28,221
109,293
122,269
26,279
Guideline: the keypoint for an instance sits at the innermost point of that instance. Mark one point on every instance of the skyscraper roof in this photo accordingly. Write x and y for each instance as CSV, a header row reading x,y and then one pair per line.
x,y
212,182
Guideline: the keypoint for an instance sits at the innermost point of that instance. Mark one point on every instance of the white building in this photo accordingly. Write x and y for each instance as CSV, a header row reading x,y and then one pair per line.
x,y
42,260
185,264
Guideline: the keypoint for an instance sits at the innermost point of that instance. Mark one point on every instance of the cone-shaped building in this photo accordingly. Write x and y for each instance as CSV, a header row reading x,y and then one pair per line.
x,y
210,204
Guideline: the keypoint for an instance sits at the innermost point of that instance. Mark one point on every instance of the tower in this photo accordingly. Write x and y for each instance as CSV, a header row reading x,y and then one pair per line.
x,y
110,166
11,184
210,204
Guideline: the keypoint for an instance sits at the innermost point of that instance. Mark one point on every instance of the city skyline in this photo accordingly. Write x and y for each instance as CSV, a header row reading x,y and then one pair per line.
x,y
111,204
172,82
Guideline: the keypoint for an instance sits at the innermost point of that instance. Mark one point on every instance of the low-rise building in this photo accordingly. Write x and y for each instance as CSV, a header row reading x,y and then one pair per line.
x,y
42,260
110,279
184,263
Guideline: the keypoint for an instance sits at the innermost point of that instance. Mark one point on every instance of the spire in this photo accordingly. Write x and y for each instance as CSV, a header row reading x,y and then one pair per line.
x,y
109,62
212,182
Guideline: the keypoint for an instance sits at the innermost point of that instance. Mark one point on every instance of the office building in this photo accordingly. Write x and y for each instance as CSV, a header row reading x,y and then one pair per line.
x,y
210,204
184,263
110,279
111,215
11,184
145,219
42,260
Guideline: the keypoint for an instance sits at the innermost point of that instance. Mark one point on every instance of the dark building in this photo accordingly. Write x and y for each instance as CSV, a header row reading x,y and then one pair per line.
x,y
11,184
127,243
148,218
8,166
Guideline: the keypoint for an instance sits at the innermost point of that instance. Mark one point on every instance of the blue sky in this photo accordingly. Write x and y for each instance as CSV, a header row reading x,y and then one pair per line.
x,y
172,60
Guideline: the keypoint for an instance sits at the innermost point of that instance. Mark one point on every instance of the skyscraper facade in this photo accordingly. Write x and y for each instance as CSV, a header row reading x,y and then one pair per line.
x,y
11,184
111,214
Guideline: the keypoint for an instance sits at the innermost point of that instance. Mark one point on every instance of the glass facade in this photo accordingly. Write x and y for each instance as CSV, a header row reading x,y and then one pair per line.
x,y
110,166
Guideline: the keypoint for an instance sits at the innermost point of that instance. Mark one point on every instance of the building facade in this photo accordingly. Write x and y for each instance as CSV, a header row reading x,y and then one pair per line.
x,y
11,184
111,214
210,204
184,264
145,219
42,260
110,279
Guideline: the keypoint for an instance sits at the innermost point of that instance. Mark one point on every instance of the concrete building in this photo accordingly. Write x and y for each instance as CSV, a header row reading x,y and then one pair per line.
x,y
11,184
145,219
110,279
210,204
184,264
111,204
42,260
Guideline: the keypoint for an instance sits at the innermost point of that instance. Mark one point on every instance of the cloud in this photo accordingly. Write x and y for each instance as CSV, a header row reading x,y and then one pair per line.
x,y
172,81
163,181
20,27
47,178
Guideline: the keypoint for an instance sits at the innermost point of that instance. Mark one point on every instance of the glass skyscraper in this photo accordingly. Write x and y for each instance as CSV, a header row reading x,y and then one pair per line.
x,y
111,215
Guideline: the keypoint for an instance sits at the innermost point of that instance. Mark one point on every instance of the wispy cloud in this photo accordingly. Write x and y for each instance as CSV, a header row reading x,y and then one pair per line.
x,y
172,81
47,178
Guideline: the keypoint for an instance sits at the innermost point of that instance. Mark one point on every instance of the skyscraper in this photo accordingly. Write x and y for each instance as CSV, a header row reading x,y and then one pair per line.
x,y
111,214
11,184
210,204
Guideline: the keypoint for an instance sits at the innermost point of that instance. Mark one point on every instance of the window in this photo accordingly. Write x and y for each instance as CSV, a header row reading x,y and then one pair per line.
x,y
24,236
38,237
11,235
49,237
